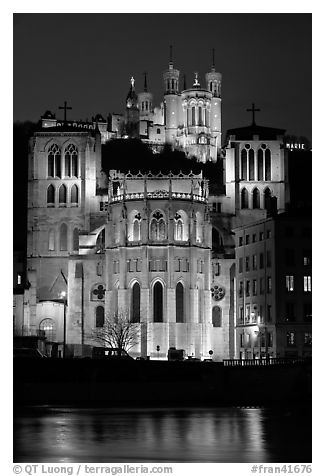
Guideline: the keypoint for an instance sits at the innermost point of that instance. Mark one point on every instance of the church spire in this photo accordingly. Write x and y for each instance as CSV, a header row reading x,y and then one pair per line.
x,y
171,65
213,68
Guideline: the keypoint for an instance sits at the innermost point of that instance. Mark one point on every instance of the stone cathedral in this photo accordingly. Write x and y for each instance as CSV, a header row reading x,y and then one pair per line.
x,y
158,247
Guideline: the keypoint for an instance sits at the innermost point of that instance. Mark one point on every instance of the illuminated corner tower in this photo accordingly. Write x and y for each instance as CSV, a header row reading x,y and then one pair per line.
x,y
132,112
213,84
171,100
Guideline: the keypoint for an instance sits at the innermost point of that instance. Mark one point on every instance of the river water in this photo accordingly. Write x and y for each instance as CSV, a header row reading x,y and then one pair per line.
x,y
215,435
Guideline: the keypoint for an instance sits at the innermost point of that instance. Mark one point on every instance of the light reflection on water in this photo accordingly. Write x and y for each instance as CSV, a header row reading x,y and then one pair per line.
x,y
223,435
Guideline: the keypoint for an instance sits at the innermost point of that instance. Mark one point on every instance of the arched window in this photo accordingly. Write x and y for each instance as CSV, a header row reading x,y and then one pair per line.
x,y
200,116
63,237
158,302
50,196
267,199
216,316
75,240
180,303
54,161
100,318
244,198
193,116
62,195
260,175
48,327
179,228
158,227
135,303
136,229
74,195
51,240
256,198
217,242
267,164
71,161
199,228
244,164
251,164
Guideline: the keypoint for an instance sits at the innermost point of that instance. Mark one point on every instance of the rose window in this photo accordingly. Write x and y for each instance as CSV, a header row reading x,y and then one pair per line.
x,y
218,293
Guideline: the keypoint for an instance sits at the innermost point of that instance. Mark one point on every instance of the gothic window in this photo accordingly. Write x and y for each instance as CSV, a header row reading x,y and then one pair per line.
x,y
267,199
267,164
251,164
216,316
200,117
158,302
193,116
244,164
62,196
63,237
100,316
244,198
260,175
158,227
54,161
74,195
256,198
48,327
51,240
98,293
75,240
179,228
71,161
50,196
136,228
180,303
135,303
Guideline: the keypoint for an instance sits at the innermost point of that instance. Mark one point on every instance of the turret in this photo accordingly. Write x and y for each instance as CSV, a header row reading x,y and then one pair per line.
x,y
213,84
171,99
145,100
132,112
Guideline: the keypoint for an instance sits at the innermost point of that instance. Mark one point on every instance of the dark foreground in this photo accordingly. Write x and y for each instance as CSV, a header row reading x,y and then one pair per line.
x,y
191,434
147,383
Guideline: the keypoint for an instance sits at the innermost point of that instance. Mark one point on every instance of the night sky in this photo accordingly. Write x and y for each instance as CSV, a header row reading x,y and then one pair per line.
x,y
88,59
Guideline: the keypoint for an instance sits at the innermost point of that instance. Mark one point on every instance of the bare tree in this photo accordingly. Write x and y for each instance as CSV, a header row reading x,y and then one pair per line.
x,y
118,332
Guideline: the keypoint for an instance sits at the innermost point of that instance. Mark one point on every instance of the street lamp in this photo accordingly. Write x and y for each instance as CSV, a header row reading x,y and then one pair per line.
x,y
63,296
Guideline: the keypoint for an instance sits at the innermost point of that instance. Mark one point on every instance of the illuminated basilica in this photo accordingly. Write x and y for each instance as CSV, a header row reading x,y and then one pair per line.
x,y
160,247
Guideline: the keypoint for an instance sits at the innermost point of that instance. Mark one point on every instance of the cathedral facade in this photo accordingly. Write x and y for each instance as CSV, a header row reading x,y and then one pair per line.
x,y
159,248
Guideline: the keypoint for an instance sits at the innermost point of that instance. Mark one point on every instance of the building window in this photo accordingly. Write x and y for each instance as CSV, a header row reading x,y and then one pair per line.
x,y
290,283
260,175
99,316
248,287
247,265
179,228
193,116
267,199
268,234
54,161
244,198
261,285
158,302
50,196
269,284
269,313
63,196
254,237
307,257
254,287
308,312
251,164
307,284
307,339
261,235
261,260
247,239
74,195
63,237
240,241
241,314
158,130
267,164
291,339
244,164
241,289
254,258
48,327
18,278
135,302
158,227
216,316
51,240
290,312
71,161
200,116
256,198
269,337
136,230
180,303
116,267
240,265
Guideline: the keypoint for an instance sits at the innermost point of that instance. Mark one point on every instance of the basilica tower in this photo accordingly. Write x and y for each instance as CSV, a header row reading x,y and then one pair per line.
x,y
213,84
132,112
171,100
